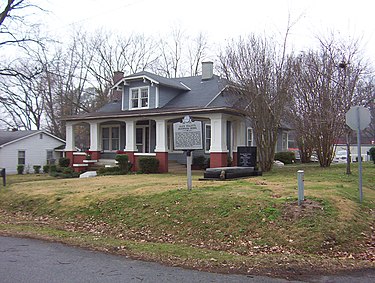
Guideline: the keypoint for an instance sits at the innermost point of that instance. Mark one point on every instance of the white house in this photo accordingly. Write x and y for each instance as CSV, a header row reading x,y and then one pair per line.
x,y
28,148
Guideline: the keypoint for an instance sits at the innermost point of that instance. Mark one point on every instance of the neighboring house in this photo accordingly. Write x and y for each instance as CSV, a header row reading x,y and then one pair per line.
x,y
140,121
28,148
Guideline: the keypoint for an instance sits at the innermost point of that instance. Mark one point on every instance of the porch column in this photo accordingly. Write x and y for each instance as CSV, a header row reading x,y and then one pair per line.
x,y
239,138
95,140
69,142
161,148
130,142
218,149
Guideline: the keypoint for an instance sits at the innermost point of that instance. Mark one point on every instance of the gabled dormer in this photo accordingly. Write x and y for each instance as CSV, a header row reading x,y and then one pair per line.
x,y
145,90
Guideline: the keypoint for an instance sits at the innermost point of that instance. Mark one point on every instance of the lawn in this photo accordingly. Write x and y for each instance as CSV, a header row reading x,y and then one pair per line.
x,y
251,225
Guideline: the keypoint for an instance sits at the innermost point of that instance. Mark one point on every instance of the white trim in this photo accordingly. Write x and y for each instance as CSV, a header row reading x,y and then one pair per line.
x,y
141,77
139,98
80,165
79,153
213,99
90,161
184,85
157,98
205,137
247,136
145,154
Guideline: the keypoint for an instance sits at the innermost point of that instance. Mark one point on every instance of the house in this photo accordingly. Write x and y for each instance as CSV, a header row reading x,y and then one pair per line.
x,y
28,148
139,120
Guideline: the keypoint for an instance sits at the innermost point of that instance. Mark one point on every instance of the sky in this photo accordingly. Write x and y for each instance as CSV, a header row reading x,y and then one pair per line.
x,y
220,20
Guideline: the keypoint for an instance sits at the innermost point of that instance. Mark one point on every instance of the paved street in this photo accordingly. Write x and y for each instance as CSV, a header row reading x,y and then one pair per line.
x,y
27,260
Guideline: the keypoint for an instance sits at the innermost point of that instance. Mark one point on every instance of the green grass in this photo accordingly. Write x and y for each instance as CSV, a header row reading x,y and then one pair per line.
x,y
154,215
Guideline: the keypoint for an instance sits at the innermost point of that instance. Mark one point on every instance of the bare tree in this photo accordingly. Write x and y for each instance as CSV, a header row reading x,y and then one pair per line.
x,y
326,85
21,99
17,35
260,75
197,53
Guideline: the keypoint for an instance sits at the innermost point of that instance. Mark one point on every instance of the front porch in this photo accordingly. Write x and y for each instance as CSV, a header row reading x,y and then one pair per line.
x,y
153,136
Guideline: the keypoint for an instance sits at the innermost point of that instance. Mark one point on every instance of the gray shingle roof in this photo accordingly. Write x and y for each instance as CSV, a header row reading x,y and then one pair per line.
x,y
200,94
162,80
8,136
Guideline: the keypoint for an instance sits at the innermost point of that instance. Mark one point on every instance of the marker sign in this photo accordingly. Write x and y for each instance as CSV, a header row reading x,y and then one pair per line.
x,y
188,134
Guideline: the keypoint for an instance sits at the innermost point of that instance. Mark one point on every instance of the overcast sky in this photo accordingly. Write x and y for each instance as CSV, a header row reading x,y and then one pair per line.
x,y
219,19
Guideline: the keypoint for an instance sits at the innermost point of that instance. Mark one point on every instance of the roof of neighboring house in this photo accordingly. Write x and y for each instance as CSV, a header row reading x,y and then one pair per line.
x,y
7,137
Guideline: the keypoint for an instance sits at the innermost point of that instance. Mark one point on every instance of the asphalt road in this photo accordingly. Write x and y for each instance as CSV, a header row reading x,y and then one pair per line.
x,y
28,260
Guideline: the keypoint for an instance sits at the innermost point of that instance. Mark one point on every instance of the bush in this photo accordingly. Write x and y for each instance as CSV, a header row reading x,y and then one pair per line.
x,y
46,168
64,162
148,165
36,169
20,169
372,153
287,157
67,170
123,162
199,162
52,168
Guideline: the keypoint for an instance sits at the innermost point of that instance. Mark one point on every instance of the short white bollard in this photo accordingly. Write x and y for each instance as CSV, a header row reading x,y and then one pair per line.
x,y
301,186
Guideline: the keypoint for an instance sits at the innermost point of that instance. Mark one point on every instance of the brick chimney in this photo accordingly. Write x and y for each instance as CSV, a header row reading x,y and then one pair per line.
x,y
116,92
207,70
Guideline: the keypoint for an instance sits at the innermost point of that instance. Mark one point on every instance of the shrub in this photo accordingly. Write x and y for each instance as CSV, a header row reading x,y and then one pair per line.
x,y
199,161
67,170
64,162
287,157
372,153
148,165
46,168
123,162
52,169
20,169
36,169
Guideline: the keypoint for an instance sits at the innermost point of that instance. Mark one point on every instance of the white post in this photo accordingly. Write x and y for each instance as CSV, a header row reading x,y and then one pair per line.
x,y
70,144
218,134
94,136
130,136
300,176
161,136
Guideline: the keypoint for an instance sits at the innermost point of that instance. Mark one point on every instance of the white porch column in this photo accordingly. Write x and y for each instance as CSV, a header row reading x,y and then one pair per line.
x,y
241,134
161,135
218,133
94,136
130,144
70,143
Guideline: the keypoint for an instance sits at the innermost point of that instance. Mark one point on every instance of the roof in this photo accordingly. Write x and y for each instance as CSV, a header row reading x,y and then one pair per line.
x,y
155,79
155,111
7,137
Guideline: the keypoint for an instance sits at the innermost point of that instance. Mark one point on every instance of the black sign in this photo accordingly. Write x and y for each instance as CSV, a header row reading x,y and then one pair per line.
x,y
3,175
247,156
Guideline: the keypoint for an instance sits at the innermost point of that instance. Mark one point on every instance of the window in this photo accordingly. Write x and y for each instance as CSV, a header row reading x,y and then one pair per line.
x,y
21,157
111,138
207,137
50,159
284,145
41,136
249,137
139,98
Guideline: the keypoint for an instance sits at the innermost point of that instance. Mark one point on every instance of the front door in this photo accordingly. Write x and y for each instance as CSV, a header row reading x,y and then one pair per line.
x,y
143,139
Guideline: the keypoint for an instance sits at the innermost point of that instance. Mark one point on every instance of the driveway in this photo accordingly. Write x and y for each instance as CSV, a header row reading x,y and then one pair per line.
x,y
29,260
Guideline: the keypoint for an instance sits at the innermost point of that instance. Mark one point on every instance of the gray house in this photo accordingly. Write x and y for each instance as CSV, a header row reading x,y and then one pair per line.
x,y
140,120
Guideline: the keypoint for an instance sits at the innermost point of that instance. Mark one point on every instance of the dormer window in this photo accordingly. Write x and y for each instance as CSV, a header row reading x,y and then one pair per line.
x,y
139,97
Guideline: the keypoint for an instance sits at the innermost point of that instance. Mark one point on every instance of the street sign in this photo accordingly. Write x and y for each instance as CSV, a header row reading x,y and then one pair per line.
x,y
358,117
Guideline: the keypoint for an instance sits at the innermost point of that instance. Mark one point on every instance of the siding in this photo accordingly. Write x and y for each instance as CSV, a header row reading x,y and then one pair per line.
x,y
35,152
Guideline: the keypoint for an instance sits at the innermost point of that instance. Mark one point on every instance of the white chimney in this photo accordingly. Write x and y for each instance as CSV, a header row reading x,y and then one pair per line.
x,y
207,70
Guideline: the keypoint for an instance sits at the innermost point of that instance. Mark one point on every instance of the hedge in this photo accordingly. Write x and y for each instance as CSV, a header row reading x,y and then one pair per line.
x,y
148,165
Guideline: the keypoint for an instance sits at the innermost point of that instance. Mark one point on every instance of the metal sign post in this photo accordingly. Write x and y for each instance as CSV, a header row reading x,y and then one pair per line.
x,y
188,137
358,118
